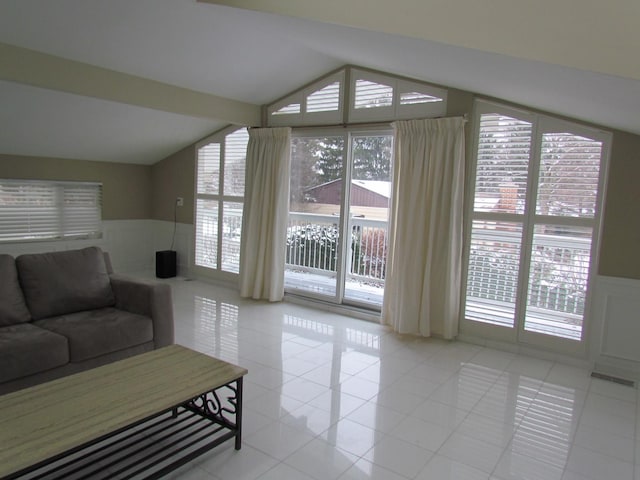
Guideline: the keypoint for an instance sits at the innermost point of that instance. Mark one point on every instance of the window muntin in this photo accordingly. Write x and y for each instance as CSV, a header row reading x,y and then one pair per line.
x,y
49,210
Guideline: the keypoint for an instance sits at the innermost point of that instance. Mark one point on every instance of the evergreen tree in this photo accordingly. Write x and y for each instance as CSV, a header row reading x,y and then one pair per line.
x,y
372,157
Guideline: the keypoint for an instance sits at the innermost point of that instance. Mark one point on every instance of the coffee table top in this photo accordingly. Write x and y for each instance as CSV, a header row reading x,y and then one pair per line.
x,y
48,419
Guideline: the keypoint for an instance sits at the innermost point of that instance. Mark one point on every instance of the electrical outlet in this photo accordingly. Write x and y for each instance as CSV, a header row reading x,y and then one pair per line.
x,y
179,202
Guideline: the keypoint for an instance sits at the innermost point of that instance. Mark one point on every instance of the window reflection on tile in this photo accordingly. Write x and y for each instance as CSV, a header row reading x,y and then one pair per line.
x,y
351,437
400,457
329,396
443,468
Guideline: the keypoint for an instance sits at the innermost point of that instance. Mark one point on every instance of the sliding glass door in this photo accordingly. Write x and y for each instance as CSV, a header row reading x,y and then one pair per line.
x,y
315,211
336,239
368,215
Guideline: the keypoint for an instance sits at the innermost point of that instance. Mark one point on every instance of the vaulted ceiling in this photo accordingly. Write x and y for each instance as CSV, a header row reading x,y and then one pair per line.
x,y
135,80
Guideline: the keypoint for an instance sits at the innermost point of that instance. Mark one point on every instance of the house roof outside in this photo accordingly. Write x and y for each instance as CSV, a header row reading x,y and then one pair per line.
x,y
376,186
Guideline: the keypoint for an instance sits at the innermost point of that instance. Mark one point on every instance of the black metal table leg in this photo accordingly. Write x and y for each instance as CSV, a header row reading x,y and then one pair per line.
x,y
239,414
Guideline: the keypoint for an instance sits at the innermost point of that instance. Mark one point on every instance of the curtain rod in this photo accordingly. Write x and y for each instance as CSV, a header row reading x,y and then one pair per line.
x,y
369,124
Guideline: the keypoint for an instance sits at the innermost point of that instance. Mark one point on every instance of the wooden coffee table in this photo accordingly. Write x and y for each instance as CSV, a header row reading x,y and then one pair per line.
x,y
141,417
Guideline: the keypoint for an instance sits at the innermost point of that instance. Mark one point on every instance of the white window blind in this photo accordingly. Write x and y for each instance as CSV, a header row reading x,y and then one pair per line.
x,y
290,109
235,157
206,233
531,239
414,98
504,146
569,171
372,95
326,99
492,278
219,200
209,169
558,278
48,210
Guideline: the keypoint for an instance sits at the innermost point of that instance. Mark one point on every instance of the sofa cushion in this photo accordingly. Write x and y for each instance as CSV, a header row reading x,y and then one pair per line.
x,y
97,332
57,283
26,349
12,307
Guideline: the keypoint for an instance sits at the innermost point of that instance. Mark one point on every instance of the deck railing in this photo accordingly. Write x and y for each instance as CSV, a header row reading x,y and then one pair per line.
x,y
559,270
312,245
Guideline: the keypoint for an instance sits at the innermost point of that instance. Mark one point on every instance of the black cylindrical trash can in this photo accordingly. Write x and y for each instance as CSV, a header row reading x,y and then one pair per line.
x,y
166,264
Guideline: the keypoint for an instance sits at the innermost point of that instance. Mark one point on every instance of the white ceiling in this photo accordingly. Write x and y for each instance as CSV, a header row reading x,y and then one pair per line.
x,y
247,56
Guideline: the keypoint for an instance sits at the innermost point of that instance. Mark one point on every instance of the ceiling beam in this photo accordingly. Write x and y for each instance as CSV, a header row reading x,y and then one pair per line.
x,y
594,35
37,69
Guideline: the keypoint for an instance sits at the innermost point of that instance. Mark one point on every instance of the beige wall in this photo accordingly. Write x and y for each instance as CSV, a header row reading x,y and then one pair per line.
x,y
173,177
126,189
134,191
620,248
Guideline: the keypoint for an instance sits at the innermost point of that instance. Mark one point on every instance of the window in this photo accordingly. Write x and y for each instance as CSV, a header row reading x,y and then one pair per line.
x,y
291,109
326,99
319,103
534,222
47,210
415,98
340,182
376,96
373,97
219,200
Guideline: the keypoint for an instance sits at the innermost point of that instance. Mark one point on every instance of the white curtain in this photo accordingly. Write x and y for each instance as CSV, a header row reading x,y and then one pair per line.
x,y
423,280
266,208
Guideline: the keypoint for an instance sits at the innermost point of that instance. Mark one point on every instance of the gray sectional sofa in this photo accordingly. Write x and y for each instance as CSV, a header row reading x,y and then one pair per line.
x,y
64,312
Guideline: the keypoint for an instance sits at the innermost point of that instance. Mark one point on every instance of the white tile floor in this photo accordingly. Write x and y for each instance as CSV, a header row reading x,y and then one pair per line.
x,y
331,397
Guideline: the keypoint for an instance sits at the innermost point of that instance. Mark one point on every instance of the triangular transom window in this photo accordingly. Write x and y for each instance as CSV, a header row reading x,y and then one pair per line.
x,y
290,109
326,99
415,98
374,97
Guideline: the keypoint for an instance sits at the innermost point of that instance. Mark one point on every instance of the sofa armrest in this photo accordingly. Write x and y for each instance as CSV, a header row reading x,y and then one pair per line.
x,y
148,298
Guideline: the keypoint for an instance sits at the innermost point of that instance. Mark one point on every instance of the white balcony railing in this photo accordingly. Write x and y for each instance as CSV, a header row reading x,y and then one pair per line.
x,y
312,247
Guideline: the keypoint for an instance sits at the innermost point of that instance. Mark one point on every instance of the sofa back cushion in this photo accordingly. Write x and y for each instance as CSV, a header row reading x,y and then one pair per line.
x,y
13,310
70,281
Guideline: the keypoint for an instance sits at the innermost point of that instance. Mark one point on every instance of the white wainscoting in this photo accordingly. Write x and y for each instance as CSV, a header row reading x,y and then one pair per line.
x,y
131,244
615,337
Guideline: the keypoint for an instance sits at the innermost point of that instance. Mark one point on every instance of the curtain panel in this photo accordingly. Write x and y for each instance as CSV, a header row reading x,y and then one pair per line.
x,y
423,281
266,208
